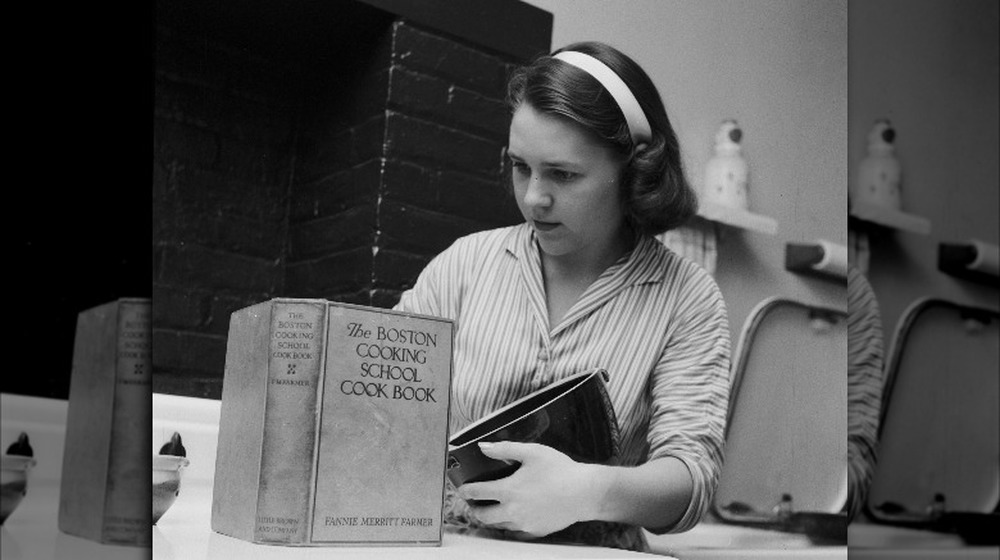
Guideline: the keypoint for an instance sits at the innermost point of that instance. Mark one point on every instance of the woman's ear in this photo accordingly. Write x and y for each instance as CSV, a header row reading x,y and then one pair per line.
x,y
638,148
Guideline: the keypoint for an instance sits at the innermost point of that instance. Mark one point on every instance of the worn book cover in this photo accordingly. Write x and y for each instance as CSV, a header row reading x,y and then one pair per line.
x,y
106,459
333,426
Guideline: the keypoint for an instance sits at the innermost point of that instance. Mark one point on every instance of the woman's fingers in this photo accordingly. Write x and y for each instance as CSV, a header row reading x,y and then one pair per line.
x,y
494,515
483,491
510,450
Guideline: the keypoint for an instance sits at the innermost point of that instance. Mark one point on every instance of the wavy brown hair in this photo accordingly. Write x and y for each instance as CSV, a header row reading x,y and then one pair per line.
x,y
655,194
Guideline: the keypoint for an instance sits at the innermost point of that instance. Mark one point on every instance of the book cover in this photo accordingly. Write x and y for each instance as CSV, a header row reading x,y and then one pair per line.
x,y
573,415
106,460
333,426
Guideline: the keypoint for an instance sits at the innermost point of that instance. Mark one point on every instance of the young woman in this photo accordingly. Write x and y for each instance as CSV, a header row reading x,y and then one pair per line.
x,y
583,283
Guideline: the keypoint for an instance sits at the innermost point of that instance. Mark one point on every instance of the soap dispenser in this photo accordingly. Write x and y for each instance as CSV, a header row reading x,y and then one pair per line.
x,y
880,174
726,173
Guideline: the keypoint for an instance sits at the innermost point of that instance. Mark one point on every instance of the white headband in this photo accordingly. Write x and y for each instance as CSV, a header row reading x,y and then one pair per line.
x,y
638,125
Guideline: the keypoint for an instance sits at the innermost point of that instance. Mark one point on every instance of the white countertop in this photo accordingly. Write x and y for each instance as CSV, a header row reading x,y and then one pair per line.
x,y
186,525
184,532
32,531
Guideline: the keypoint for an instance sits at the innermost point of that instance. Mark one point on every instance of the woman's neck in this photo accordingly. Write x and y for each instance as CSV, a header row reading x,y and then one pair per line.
x,y
567,277
590,262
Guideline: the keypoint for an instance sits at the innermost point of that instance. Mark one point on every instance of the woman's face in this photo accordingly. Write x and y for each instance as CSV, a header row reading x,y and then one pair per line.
x,y
566,185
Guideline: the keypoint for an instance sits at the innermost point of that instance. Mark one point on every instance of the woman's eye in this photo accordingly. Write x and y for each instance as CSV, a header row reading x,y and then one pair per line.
x,y
520,167
563,176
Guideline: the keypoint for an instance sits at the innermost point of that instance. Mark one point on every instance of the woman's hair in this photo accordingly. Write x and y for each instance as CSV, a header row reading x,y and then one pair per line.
x,y
655,194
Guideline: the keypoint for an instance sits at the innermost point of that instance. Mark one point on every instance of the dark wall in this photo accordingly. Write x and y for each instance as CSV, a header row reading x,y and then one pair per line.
x,y
325,151
223,129
80,243
77,216
390,178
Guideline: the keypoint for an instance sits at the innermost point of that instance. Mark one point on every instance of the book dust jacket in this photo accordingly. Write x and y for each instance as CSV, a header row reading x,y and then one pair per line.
x,y
334,426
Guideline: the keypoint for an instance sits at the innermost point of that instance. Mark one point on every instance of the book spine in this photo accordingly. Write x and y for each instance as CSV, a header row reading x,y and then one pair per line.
x,y
241,422
126,519
89,417
285,491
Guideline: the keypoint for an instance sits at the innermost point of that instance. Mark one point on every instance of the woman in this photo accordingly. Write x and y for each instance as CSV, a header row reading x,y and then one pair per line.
x,y
596,171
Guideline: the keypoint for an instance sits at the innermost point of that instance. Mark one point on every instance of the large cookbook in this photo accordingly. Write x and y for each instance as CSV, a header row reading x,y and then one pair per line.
x,y
334,425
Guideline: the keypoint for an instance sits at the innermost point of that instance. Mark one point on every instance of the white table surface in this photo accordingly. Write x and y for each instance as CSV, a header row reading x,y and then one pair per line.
x,y
184,532
32,532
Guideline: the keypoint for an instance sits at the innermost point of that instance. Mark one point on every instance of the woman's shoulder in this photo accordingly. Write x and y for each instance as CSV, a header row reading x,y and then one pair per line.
x,y
482,243
680,283
675,269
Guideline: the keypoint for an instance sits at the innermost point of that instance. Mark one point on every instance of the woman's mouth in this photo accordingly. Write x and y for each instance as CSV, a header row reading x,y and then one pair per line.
x,y
545,226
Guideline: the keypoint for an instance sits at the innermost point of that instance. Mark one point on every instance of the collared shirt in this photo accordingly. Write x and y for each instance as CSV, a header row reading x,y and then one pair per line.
x,y
864,386
654,320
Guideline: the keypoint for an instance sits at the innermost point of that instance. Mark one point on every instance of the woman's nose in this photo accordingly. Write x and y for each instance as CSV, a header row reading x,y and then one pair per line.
x,y
537,193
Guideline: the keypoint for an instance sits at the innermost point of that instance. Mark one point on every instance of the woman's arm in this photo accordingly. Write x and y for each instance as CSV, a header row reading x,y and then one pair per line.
x,y
688,392
864,387
654,494
551,491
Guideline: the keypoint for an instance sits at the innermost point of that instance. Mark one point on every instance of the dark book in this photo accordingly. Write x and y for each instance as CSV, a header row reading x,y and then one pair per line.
x,y
573,415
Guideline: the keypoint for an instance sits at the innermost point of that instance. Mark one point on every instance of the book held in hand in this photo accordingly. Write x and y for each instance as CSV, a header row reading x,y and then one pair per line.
x,y
333,426
573,415
106,480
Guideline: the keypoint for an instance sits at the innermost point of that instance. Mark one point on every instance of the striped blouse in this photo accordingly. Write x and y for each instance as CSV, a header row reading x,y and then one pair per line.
x,y
864,386
655,321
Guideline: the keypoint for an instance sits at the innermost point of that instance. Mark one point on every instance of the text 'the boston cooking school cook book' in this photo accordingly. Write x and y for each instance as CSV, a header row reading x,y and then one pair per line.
x,y
333,427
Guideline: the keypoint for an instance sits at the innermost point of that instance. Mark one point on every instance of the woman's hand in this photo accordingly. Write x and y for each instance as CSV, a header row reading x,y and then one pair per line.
x,y
547,493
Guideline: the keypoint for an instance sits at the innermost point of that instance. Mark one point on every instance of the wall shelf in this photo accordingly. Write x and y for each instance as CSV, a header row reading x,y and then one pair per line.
x,y
974,261
735,217
820,258
887,217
